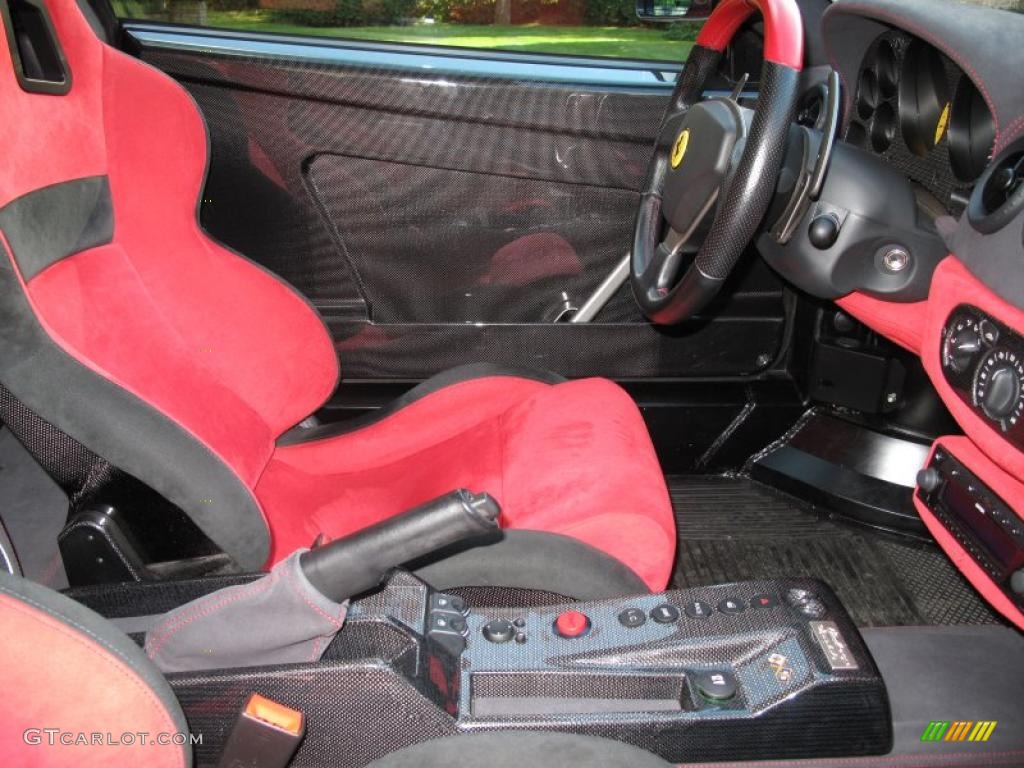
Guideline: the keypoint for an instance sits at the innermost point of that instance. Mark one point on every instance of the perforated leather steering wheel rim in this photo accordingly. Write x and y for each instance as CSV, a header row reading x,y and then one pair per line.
x,y
744,196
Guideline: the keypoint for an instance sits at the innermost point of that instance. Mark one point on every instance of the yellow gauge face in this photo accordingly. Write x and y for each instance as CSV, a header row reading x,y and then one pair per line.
x,y
940,128
679,148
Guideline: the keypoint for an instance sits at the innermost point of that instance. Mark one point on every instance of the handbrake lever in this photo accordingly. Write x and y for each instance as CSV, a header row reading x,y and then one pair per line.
x,y
359,562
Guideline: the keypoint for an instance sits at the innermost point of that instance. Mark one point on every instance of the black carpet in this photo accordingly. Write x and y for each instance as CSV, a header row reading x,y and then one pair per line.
x,y
734,529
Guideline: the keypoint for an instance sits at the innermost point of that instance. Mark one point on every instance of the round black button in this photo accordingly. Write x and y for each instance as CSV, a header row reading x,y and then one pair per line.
x,y
731,605
520,637
498,631
520,622
665,614
697,609
823,231
632,618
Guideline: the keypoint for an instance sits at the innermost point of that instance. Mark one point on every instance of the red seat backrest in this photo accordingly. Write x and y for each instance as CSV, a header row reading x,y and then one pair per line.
x,y
129,328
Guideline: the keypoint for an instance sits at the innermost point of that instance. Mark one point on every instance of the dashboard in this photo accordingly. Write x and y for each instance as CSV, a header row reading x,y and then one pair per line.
x,y
931,89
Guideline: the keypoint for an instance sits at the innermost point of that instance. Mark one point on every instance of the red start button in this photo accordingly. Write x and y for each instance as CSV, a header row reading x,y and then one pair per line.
x,y
572,624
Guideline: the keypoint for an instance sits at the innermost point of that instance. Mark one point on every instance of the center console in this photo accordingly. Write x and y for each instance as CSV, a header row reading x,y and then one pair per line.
x,y
753,670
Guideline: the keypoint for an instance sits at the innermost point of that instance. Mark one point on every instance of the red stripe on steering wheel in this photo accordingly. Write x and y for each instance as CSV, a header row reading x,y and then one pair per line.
x,y
783,28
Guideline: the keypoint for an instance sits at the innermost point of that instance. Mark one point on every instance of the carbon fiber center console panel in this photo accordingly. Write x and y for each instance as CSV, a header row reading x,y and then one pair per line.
x,y
765,669
750,670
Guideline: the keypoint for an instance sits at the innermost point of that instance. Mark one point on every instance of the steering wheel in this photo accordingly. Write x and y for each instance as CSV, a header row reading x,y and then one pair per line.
x,y
714,153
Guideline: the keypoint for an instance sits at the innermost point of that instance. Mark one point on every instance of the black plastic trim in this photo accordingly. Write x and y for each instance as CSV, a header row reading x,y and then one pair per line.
x,y
48,86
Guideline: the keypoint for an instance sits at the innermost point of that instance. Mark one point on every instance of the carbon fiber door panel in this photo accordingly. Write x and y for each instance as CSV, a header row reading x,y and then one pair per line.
x,y
436,219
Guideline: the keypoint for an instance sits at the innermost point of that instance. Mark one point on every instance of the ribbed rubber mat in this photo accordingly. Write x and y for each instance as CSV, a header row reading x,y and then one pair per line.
x,y
733,529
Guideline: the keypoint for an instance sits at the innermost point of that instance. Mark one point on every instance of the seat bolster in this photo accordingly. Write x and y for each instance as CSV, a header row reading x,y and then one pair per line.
x,y
434,384
64,667
578,461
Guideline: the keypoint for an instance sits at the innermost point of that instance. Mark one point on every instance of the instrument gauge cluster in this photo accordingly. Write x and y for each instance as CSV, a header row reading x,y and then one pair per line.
x,y
918,110
983,361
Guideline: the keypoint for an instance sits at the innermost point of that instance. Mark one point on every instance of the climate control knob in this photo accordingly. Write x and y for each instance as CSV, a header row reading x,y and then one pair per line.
x,y
999,385
1002,392
964,343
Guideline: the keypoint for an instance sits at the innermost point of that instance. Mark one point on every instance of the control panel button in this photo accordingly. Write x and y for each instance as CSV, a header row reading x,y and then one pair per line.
x,y
439,601
764,601
632,618
698,609
1002,392
989,332
797,597
731,605
498,631
812,608
665,614
964,343
715,685
1017,582
823,231
929,480
570,624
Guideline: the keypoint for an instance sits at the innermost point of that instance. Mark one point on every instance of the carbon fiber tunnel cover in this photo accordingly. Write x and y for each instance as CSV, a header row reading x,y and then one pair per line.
x,y
752,670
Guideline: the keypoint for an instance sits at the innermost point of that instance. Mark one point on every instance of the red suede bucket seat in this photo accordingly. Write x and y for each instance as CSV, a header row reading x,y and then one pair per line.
x,y
187,366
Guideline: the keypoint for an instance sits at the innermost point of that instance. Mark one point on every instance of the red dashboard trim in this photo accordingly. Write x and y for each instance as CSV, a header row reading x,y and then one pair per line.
x,y
1008,489
783,29
918,327
953,285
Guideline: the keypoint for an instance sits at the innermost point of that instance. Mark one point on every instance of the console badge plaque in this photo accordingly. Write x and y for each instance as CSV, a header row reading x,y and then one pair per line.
x,y
831,640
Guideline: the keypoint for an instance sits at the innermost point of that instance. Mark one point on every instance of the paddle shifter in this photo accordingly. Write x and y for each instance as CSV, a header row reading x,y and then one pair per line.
x,y
291,614
359,562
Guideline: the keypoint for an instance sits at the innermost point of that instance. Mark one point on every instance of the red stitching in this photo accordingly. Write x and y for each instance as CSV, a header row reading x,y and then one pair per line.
x,y
1009,134
199,610
293,583
315,655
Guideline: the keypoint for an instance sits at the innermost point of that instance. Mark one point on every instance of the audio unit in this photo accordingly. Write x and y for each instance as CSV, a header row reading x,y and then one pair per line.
x,y
985,525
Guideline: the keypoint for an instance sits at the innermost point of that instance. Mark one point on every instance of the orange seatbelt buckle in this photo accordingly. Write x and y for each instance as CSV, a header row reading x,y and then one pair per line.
x,y
266,735
269,711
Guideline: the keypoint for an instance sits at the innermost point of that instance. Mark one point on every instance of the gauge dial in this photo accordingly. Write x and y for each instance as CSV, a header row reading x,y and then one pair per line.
x,y
999,386
923,98
886,70
971,132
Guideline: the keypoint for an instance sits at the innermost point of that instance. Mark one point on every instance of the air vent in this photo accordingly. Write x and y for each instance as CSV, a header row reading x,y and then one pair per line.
x,y
38,59
999,196
811,111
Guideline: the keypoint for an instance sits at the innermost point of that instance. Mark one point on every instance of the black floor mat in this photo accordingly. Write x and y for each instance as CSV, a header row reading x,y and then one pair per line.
x,y
733,529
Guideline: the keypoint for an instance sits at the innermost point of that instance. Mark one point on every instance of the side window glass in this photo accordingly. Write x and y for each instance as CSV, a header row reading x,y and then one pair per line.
x,y
608,28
